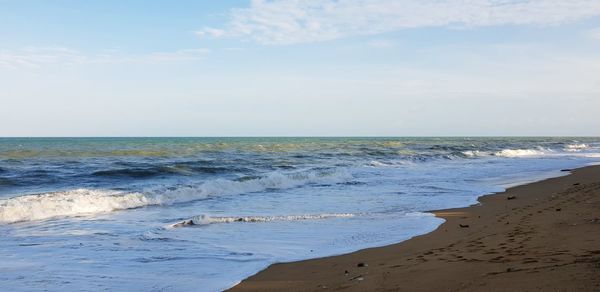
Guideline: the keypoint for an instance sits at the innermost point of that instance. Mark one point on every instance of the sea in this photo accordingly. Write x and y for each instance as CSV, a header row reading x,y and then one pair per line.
x,y
202,214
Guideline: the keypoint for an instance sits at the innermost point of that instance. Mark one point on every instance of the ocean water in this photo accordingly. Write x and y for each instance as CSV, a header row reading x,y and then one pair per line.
x,y
190,214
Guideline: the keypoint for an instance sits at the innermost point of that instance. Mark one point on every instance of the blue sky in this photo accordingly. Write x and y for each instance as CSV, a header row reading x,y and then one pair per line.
x,y
298,68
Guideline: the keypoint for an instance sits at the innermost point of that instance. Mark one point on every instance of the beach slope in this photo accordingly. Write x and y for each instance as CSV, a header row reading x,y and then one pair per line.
x,y
543,236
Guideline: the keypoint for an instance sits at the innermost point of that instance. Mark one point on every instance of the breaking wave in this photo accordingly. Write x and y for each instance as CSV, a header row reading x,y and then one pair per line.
x,y
475,153
81,202
537,152
69,203
205,220
521,152
576,147
509,153
377,163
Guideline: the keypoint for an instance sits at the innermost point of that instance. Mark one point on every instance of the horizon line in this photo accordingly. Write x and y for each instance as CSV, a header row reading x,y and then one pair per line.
x,y
315,136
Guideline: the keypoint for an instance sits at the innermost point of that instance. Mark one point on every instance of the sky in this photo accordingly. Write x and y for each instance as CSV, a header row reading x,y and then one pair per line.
x,y
300,68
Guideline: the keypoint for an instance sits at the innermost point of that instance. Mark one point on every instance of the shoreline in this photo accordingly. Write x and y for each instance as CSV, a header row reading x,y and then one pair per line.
x,y
534,236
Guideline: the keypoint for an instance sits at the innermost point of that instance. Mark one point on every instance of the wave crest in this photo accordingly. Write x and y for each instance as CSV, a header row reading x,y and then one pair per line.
x,y
69,203
520,152
475,153
576,147
80,202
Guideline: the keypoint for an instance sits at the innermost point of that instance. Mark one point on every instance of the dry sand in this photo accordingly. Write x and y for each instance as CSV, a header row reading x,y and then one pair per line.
x,y
546,237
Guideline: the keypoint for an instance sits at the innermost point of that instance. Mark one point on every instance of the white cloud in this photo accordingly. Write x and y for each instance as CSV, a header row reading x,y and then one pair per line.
x,y
40,56
37,56
301,21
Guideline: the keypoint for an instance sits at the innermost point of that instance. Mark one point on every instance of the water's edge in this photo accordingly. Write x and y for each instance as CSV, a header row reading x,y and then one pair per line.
x,y
507,184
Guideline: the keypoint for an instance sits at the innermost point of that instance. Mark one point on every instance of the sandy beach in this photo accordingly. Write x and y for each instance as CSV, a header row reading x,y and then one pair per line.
x,y
543,236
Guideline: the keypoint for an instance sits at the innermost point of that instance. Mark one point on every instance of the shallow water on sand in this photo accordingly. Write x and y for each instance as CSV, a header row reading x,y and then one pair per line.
x,y
103,213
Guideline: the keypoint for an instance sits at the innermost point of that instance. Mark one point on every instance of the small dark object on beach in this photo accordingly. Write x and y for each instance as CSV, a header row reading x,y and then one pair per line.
x,y
558,209
464,225
511,197
361,265
566,169
358,278
576,184
509,270
346,272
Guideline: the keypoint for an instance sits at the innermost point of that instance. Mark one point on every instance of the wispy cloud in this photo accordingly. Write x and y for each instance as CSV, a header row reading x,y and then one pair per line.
x,y
40,56
37,56
301,21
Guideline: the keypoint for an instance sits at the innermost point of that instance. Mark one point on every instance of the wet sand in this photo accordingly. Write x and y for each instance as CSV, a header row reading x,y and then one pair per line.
x,y
543,236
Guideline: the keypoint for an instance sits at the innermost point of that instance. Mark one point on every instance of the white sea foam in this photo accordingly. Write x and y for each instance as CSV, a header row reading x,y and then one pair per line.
x,y
68,203
419,214
521,152
476,153
377,163
205,219
81,202
576,147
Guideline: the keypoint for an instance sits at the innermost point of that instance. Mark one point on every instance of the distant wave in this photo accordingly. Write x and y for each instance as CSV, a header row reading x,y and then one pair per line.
x,y
205,219
573,151
576,147
568,150
508,153
468,154
81,202
521,152
377,163
476,153
535,152
129,172
161,170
